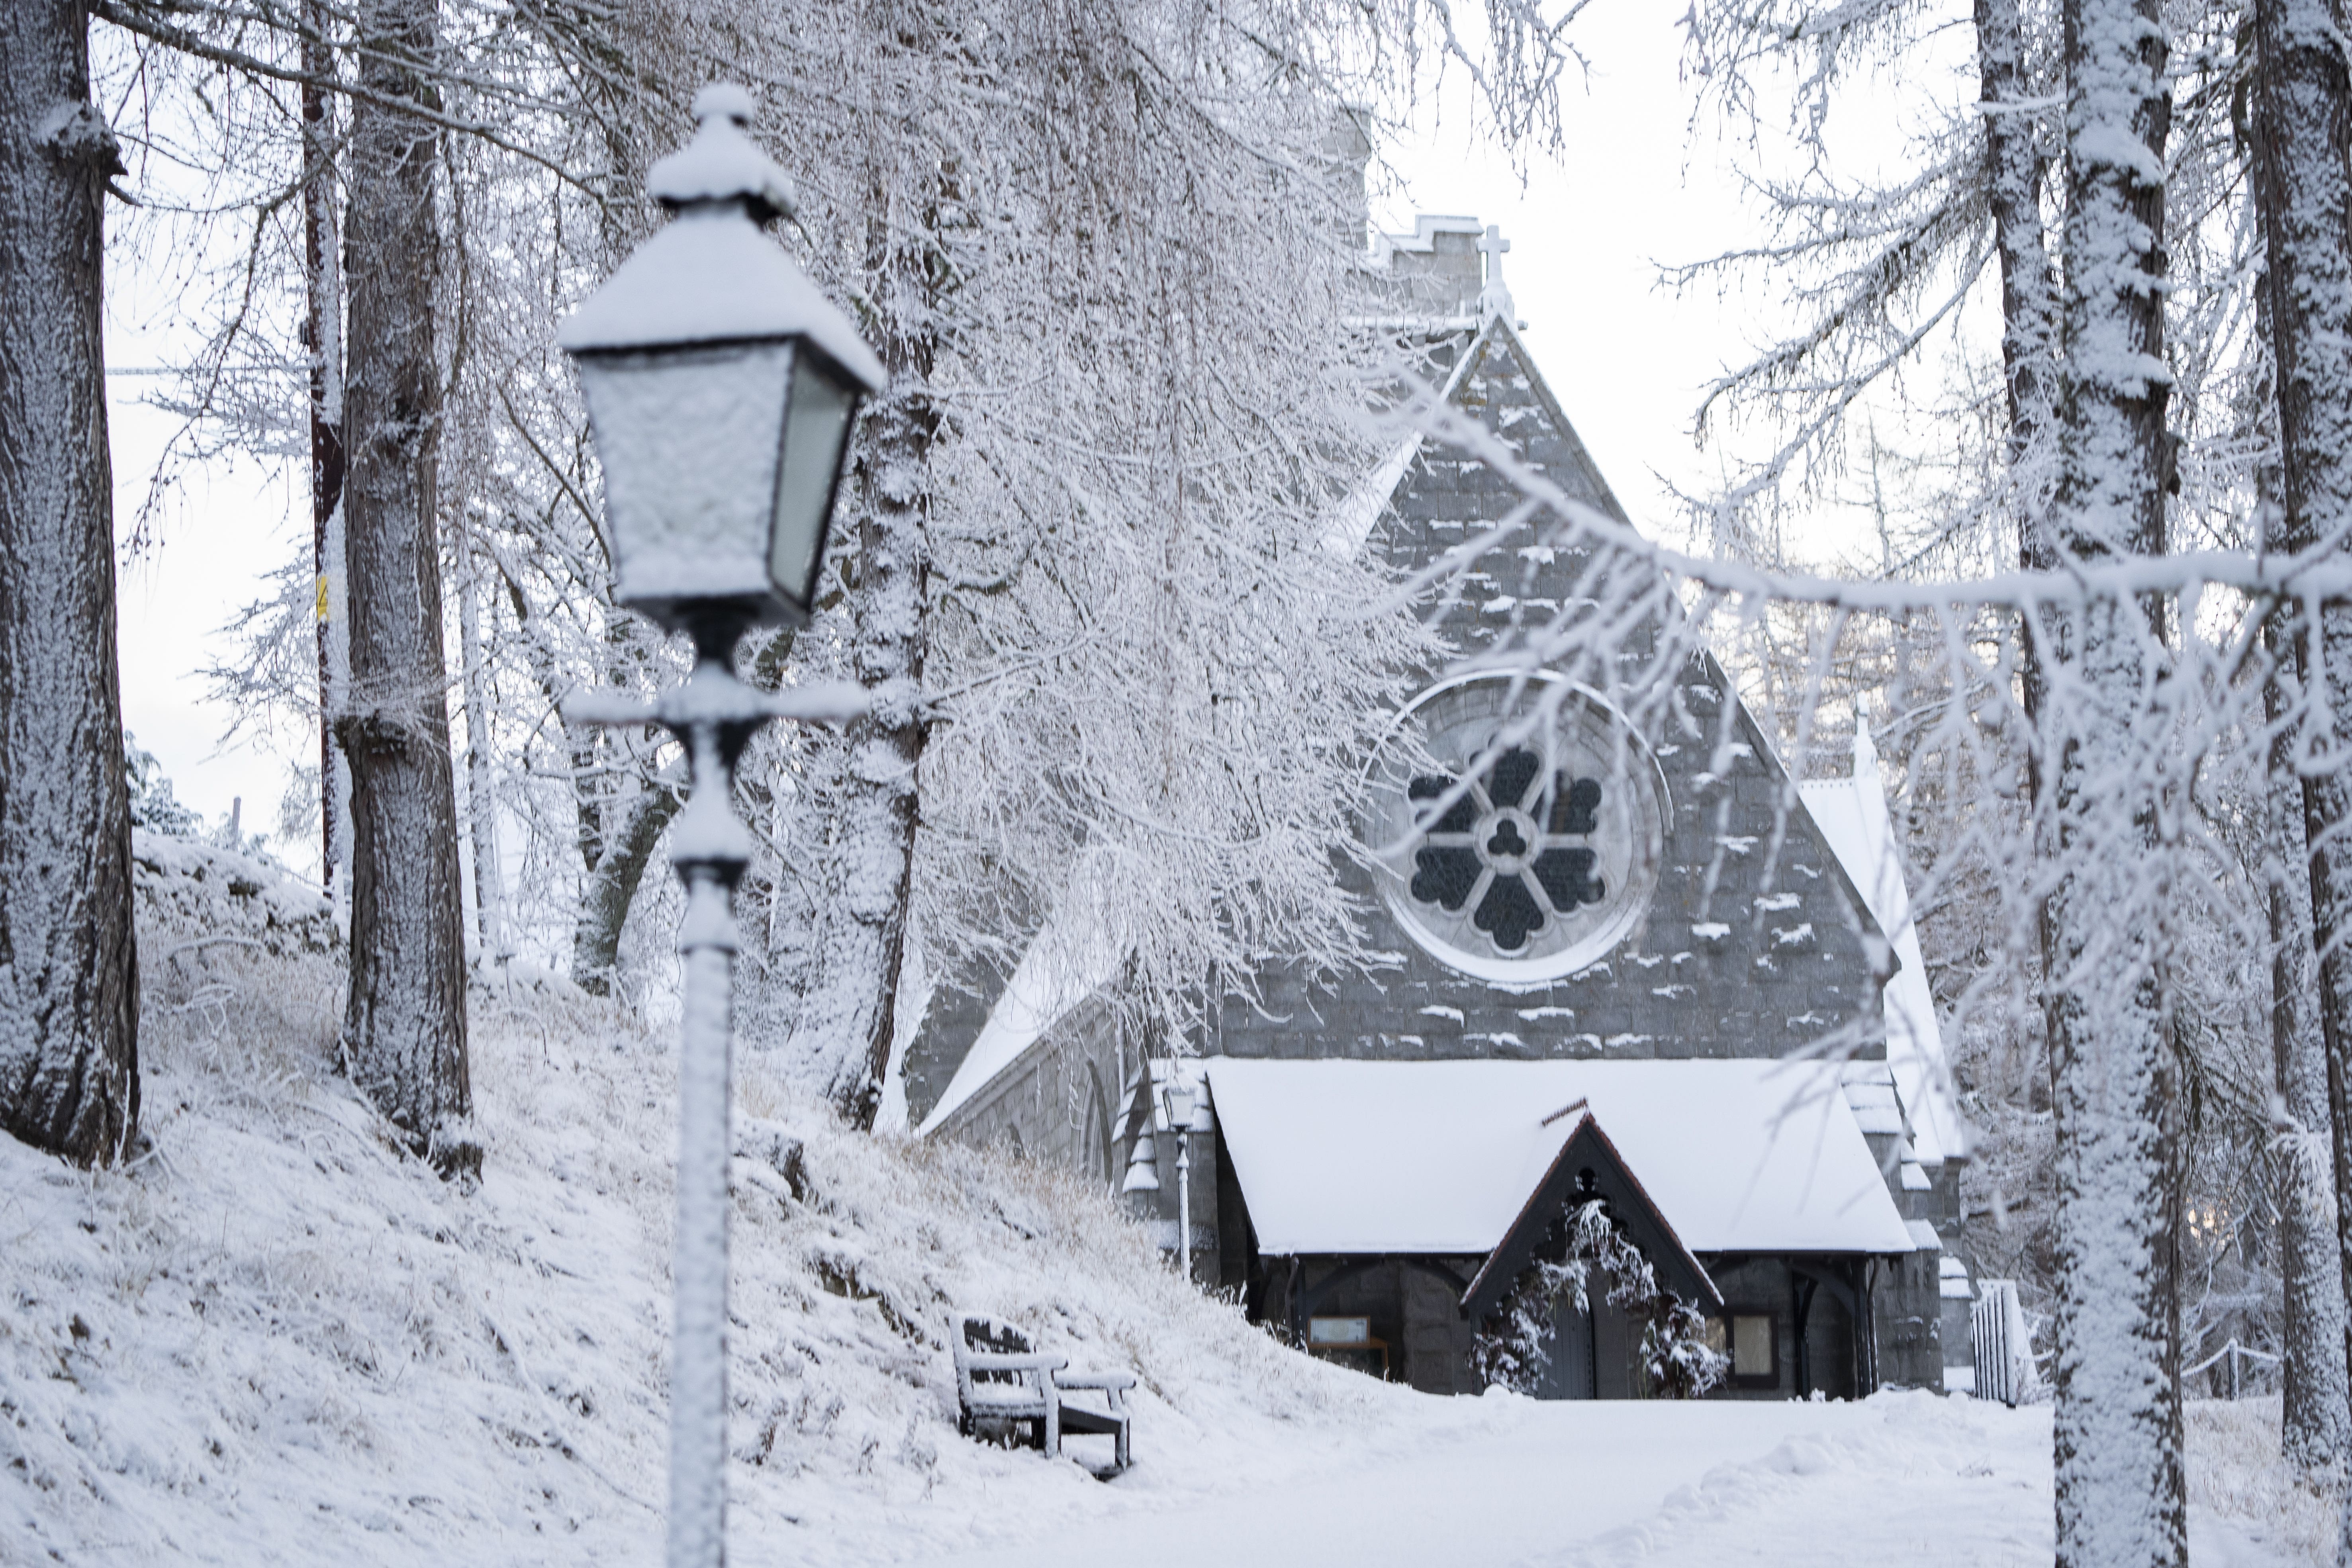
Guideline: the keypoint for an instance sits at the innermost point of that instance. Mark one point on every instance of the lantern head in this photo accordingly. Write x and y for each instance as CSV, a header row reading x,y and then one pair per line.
x,y
721,386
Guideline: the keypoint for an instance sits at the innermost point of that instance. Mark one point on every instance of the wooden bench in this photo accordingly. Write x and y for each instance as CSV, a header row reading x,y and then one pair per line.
x,y
1004,1384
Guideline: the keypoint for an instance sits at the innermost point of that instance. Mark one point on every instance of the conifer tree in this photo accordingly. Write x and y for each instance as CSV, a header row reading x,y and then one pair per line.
x,y
68,969
405,1025
2302,194
2120,1489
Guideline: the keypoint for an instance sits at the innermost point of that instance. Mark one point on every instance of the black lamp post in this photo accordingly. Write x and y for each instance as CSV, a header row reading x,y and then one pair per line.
x,y
721,386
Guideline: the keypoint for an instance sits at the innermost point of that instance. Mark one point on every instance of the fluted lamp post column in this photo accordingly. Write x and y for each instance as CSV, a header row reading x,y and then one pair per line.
x,y
721,386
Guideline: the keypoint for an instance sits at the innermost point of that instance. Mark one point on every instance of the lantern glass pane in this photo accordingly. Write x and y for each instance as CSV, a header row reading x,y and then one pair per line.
x,y
688,438
815,432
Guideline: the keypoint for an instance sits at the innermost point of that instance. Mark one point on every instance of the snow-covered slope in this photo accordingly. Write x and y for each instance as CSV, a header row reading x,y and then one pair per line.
x,y
191,896
273,1339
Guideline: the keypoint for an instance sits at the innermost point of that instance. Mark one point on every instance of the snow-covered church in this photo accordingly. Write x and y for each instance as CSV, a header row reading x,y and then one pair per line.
x,y
1617,956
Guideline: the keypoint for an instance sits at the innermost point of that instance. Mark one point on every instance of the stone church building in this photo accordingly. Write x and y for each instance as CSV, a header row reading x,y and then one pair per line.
x,y
1630,961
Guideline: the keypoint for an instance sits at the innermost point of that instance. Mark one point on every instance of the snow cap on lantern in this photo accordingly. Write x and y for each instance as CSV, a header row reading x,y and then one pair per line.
x,y
721,385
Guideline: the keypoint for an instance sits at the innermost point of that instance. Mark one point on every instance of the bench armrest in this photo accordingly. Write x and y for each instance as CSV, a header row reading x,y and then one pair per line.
x,y
1103,1379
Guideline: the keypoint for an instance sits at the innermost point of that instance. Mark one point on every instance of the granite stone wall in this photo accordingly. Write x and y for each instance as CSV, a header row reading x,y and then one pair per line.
x,y
1061,1101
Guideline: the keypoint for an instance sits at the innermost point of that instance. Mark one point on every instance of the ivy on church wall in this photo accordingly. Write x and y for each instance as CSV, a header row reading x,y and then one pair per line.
x,y
1513,1346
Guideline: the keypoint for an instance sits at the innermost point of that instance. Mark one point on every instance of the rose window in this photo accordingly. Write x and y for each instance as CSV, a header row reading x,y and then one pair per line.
x,y
1520,824
1515,852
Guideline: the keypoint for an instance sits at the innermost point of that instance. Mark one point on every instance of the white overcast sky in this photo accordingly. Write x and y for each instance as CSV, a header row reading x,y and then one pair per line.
x,y
1632,189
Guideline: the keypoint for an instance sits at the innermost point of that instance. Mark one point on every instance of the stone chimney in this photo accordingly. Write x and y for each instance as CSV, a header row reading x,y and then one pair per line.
x,y
1447,272
1435,273
1348,154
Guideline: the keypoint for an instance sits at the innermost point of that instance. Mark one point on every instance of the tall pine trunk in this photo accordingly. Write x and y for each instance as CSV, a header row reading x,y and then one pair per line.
x,y
2314,1414
2120,1490
405,1027
322,336
2314,1420
2300,188
68,962
2014,173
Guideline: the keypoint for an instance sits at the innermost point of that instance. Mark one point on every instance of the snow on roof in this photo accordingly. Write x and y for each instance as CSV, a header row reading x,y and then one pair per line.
x,y
1350,525
1071,958
1439,1157
1870,1092
1852,815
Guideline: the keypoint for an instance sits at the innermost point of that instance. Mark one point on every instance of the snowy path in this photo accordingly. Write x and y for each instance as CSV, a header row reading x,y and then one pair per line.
x,y
1907,1479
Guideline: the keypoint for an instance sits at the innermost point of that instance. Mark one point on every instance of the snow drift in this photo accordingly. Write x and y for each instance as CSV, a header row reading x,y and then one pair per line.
x,y
272,1339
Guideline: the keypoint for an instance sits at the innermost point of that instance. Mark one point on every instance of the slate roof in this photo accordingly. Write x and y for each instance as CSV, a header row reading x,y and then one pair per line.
x,y
1756,945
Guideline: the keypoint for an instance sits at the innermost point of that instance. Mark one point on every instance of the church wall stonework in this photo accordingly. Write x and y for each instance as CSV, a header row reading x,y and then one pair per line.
x,y
1792,968
1060,1100
952,1021
1798,959
1910,1321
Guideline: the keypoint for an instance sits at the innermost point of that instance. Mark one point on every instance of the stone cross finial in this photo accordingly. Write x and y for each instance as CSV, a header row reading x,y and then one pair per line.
x,y
1494,299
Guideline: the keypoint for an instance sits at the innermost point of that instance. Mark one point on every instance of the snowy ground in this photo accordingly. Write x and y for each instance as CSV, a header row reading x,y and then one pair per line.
x,y
1905,1479
273,1340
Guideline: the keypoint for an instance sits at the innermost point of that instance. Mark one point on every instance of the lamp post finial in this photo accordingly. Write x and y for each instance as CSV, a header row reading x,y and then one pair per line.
x,y
722,162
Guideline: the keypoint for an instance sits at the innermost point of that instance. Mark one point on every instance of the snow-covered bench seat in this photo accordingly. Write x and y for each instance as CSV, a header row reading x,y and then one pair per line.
x,y
1003,1384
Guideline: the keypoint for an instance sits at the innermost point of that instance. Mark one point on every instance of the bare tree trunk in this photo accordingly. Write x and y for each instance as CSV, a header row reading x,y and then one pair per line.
x,y
481,799
2015,171
2014,174
2303,193
2315,1425
2120,1489
322,335
2315,1416
846,1017
613,880
68,962
404,1028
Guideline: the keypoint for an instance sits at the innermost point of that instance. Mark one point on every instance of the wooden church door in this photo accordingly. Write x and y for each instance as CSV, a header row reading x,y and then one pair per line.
x,y
1593,1353
1568,1374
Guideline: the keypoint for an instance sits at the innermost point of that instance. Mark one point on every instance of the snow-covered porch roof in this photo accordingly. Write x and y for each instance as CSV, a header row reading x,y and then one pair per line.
x,y
1440,1157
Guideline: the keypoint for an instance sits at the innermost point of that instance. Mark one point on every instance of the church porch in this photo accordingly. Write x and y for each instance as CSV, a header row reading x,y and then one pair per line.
x,y
1393,1161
